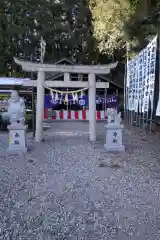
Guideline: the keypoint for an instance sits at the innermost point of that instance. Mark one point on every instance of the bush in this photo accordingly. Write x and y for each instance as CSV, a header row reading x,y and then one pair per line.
x,y
28,120
3,124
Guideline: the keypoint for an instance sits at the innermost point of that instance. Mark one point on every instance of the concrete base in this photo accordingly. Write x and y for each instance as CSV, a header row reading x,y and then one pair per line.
x,y
114,148
16,151
17,139
19,152
16,126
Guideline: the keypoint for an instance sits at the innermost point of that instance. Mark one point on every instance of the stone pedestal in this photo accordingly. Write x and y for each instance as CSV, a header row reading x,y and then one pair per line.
x,y
114,135
17,139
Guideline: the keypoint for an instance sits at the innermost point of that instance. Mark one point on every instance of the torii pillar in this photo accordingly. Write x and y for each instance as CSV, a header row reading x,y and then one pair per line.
x,y
40,107
92,106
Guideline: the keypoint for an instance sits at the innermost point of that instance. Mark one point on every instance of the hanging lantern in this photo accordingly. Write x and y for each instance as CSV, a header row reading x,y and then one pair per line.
x,y
76,97
56,97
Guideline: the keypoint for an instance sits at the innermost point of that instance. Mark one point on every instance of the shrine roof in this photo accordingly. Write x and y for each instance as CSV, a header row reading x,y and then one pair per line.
x,y
115,77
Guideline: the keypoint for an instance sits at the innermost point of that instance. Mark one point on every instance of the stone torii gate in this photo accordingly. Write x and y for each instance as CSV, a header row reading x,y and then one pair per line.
x,y
91,70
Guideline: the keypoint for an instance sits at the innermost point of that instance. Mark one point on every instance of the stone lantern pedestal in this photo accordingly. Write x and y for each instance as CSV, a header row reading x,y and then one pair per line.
x,y
17,139
114,131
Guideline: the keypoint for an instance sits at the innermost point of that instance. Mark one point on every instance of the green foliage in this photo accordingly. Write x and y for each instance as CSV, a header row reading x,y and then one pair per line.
x,y
82,30
17,28
65,25
143,25
108,21
119,21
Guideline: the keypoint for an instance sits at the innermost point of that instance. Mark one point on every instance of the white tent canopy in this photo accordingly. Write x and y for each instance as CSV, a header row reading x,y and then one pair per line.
x,y
12,81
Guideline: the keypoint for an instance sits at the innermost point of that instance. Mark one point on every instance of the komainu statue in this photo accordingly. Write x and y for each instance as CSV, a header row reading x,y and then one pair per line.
x,y
16,109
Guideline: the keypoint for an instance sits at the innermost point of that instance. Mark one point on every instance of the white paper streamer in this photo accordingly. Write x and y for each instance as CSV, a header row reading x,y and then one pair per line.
x,y
73,98
66,98
56,97
52,95
76,97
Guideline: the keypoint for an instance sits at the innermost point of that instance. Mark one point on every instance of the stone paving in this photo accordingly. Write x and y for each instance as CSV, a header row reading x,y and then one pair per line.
x,y
62,191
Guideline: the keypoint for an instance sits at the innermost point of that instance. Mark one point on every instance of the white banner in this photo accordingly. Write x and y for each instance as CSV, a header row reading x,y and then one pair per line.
x,y
158,108
141,78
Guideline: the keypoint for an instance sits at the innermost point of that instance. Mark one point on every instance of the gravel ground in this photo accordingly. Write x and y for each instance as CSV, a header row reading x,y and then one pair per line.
x,y
62,191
